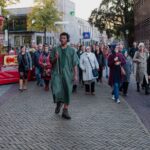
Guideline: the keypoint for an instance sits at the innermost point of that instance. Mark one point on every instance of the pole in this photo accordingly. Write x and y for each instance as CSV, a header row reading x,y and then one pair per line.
x,y
8,35
45,35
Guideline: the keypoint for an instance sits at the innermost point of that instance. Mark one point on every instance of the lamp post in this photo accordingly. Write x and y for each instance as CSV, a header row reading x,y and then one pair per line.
x,y
7,20
127,33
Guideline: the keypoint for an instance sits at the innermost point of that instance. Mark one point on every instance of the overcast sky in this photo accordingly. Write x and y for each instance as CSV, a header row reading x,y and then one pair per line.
x,y
83,7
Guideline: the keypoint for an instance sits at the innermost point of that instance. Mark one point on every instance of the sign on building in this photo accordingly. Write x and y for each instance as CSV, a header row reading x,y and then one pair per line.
x,y
86,35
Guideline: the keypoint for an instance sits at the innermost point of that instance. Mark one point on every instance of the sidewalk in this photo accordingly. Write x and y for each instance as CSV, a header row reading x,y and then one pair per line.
x,y
28,122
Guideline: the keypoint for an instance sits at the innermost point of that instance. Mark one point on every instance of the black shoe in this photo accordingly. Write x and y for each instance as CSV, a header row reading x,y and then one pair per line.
x,y
58,107
65,114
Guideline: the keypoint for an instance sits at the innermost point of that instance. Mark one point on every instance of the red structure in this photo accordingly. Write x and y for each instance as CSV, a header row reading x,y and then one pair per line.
x,y
8,73
8,64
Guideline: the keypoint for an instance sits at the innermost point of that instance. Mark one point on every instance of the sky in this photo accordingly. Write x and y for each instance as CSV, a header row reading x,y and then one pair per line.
x,y
83,7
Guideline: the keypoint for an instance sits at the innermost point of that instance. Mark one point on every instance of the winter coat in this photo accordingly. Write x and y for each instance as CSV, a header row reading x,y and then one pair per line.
x,y
141,66
44,62
36,58
28,61
115,71
128,69
148,64
86,67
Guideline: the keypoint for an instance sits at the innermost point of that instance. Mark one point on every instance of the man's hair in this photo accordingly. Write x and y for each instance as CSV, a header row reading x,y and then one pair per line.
x,y
65,34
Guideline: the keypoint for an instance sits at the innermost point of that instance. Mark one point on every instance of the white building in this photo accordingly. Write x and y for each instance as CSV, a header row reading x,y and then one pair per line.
x,y
73,25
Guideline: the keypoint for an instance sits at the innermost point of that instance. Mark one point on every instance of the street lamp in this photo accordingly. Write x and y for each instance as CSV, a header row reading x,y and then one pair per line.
x,y
7,20
127,33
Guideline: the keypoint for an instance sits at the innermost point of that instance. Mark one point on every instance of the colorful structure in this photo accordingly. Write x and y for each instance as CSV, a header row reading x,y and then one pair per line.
x,y
8,63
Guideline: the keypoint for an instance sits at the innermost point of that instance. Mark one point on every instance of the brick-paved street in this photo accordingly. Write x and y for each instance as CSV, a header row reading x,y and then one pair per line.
x,y
140,103
28,122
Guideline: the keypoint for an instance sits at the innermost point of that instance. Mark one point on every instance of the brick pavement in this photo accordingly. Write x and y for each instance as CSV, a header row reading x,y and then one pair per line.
x,y
28,122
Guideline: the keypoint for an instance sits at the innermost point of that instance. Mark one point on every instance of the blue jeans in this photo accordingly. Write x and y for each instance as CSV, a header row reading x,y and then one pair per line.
x,y
116,90
38,73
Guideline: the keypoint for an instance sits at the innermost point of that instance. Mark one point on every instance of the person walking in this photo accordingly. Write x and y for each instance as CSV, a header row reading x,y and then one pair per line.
x,y
101,62
106,53
140,58
46,66
64,72
24,65
80,53
148,68
115,61
128,70
38,68
133,50
88,63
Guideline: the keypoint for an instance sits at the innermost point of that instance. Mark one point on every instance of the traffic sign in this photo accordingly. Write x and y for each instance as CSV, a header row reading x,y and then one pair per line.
x,y
86,35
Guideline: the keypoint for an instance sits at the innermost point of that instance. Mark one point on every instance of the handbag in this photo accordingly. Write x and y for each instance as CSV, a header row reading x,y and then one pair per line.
x,y
94,70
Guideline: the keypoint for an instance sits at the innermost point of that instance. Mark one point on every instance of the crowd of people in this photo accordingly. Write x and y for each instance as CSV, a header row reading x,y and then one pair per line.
x,y
68,66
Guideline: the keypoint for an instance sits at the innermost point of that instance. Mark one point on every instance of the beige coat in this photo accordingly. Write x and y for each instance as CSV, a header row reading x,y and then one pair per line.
x,y
141,66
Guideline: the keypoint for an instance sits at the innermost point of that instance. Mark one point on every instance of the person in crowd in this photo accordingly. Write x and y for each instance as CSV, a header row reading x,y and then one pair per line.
x,y
115,61
93,48
101,62
25,64
65,65
148,68
106,53
133,50
80,53
75,84
88,62
46,66
128,70
38,69
50,48
140,58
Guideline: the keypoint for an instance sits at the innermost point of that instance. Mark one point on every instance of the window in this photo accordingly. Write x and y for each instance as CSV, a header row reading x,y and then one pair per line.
x,y
26,40
17,41
39,39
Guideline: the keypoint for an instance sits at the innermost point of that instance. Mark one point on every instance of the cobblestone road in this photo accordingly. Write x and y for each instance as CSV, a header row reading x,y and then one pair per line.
x,y
28,122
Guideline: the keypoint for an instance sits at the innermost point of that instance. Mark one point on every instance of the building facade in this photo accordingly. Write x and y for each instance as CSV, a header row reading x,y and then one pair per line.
x,y
142,21
19,35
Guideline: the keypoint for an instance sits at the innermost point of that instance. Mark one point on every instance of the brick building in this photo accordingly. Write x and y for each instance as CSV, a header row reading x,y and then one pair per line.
x,y
142,21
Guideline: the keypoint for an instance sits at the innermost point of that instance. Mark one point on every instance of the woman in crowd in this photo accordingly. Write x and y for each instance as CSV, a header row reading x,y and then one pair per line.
x,y
88,62
46,66
106,53
101,62
140,58
25,64
80,53
148,67
128,70
115,62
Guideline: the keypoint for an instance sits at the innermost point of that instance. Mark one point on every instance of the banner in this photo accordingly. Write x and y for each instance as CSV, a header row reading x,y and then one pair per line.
x,y
10,60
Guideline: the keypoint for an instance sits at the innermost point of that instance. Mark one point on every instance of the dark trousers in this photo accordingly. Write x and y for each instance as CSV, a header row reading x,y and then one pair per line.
x,y
100,74
90,87
125,86
46,82
146,85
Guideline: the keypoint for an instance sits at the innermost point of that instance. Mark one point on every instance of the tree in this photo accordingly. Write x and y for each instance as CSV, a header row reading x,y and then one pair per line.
x,y
5,3
116,17
43,16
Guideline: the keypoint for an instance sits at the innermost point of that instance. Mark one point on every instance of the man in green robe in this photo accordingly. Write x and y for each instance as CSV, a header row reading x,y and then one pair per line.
x,y
64,72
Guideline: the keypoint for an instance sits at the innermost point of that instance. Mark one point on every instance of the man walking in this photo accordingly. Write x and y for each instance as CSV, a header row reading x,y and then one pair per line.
x,y
38,69
64,71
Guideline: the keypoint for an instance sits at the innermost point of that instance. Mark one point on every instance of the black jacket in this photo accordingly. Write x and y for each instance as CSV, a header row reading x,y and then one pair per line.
x,y
148,65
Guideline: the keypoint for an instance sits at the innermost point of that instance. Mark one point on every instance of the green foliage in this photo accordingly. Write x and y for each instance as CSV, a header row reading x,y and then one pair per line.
x,y
43,16
5,3
115,17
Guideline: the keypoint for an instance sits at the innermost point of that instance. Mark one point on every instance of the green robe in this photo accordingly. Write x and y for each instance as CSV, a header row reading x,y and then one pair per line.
x,y
62,74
